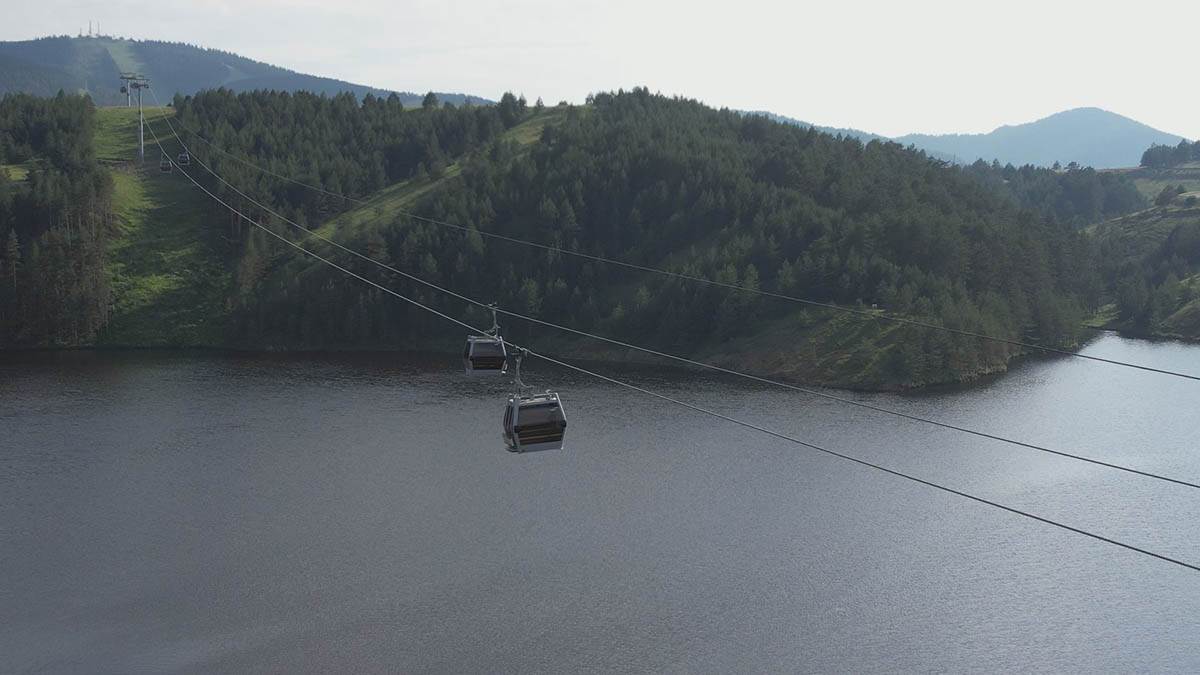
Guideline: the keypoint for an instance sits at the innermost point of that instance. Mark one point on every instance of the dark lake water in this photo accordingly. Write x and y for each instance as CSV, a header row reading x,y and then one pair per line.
x,y
205,512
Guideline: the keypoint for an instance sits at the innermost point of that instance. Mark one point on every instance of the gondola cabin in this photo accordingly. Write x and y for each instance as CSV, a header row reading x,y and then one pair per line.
x,y
485,355
164,165
184,159
533,423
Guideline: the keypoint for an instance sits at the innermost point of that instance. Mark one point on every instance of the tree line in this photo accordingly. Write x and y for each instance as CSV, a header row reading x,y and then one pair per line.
x,y
1167,156
54,226
1074,194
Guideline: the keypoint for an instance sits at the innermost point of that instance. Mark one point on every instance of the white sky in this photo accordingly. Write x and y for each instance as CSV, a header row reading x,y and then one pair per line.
x,y
886,67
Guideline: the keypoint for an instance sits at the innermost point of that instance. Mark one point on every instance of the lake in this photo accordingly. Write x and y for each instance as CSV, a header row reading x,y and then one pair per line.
x,y
176,511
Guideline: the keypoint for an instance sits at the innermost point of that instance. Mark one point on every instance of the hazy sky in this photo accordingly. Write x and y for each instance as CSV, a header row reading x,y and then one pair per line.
x,y
887,67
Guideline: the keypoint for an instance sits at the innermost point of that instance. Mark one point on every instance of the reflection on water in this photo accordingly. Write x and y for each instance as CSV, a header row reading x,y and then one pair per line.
x,y
296,513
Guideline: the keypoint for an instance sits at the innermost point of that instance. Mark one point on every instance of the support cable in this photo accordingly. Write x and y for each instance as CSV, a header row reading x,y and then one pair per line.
x,y
681,359
699,409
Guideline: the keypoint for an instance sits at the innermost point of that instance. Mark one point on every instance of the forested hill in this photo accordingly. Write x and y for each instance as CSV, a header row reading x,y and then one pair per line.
x,y
92,65
670,183
1151,263
632,176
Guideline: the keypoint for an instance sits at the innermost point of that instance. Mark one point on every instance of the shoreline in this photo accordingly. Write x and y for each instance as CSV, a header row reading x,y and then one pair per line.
x,y
606,357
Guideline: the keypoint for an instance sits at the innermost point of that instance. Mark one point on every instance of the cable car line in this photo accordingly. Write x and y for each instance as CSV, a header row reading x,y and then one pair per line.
x,y
490,366
878,467
699,409
862,313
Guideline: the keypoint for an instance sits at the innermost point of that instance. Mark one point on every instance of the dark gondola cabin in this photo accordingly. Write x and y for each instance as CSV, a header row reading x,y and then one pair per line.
x,y
533,423
485,355
164,165
184,159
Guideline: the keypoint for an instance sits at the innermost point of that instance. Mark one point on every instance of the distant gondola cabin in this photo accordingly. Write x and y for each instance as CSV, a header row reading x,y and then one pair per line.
x,y
485,355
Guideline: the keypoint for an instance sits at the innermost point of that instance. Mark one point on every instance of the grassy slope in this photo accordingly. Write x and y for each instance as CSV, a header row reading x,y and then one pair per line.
x,y
1150,182
383,205
169,285
828,349
1184,324
116,133
1152,187
123,54
382,208
16,172
1139,234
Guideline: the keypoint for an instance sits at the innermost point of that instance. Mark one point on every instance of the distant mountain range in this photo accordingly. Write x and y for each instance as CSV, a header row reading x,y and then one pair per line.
x,y
1087,136
92,65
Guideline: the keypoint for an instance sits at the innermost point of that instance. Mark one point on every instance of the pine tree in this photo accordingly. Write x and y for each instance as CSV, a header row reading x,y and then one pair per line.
x,y
510,109
11,260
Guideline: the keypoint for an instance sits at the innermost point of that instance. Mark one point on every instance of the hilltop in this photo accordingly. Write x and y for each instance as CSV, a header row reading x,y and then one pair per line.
x,y
1086,136
864,136
845,132
92,65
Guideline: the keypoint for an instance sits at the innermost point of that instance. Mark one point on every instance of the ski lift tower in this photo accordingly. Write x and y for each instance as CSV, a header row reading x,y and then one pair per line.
x,y
132,82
